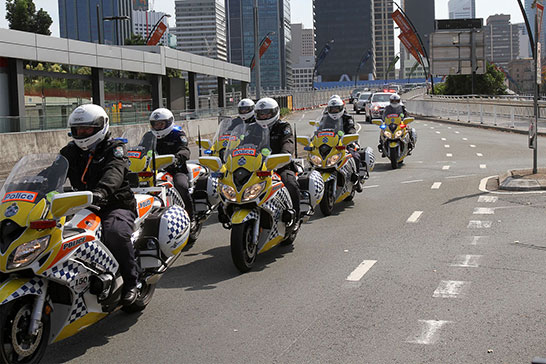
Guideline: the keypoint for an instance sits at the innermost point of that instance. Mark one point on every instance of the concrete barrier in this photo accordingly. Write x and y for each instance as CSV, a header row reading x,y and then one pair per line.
x,y
14,146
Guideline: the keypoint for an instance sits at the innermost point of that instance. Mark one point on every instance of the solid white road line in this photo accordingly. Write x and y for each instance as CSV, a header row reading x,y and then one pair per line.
x,y
414,217
450,289
472,146
461,176
444,139
488,199
445,168
359,272
429,330
483,211
479,154
477,239
467,261
372,186
478,224
436,186
483,166
446,145
449,155
415,180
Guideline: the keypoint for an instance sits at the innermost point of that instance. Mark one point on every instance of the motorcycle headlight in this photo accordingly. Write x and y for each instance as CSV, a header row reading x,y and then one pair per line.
x,y
333,160
398,134
388,134
316,160
26,253
229,192
253,191
375,108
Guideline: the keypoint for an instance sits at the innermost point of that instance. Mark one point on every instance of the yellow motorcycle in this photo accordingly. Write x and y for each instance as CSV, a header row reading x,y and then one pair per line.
x,y
327,154
253,195
395,138
57,277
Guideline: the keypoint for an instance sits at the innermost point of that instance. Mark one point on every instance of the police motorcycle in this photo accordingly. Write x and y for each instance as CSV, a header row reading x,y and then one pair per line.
x,y
57,275
202,187
255,199
395,138
328,154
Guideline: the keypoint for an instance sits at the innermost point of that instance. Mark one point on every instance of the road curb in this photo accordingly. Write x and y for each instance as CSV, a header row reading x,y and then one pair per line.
x,y
508,182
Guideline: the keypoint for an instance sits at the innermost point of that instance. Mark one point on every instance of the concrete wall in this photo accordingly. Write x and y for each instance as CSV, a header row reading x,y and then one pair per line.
x,y
14,146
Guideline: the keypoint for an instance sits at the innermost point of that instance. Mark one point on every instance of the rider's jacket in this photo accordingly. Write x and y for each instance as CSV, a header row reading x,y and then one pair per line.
x,y
399,110
176,142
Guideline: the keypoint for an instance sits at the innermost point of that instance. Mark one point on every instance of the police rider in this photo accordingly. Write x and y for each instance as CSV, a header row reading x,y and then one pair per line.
x,y
99,164
245,108
396,107
171,139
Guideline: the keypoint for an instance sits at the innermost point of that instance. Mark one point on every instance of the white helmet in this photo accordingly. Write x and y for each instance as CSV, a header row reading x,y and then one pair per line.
x,y
395,100
335,97
161,122
267,111
246,109
335,107
88,126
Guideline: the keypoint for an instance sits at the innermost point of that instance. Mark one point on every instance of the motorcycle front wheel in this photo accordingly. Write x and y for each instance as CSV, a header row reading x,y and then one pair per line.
x,y
243,249
328,200
394,158
194,232
16,344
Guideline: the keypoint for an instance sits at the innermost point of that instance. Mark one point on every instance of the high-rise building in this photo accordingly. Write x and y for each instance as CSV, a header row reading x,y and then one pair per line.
x,y
274,22
421,14
201,27
462,9
349,24
530,12
501,40
144,22
521,75
384,38
78,20
303,56
524,51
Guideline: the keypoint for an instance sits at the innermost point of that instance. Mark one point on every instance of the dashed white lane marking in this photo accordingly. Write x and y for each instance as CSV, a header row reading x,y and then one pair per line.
x,y
465,138
488,199
472,146
467,261
436,186
437,132
425,124
483,166
477,239
357,274
372,186
445,168
479,154
449,127
446,145
432,127
483,211
444,139
449,154
413,181
457,132
450,289
428,333
414,217
478,224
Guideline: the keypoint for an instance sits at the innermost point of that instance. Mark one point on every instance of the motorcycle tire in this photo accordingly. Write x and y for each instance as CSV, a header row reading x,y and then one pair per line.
x,y
292,236
18,313
144,297
243,250
394,158
328,200
194,233
351,196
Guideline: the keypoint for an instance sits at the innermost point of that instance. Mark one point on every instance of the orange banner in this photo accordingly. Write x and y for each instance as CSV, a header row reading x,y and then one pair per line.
x,y
263,48
406,42
401,21
156,37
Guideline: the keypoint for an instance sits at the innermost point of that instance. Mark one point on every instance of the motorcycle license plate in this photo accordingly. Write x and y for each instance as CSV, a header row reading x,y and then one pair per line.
x,y
393,144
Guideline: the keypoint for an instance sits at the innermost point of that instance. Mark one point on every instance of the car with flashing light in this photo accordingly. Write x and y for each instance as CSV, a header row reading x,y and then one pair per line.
x,y
377,103
360,104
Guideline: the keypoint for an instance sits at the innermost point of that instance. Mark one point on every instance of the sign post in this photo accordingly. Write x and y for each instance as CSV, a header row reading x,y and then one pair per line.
x,y
538,80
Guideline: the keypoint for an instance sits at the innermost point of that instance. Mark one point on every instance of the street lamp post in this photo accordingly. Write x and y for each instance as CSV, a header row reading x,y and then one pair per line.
x,y
257,52
323,52
116,18
155,26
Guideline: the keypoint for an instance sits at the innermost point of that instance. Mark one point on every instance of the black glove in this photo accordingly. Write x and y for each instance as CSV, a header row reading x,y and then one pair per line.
x,y
98,199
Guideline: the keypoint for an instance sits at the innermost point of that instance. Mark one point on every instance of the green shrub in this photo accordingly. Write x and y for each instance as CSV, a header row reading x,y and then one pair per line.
x,y
285,111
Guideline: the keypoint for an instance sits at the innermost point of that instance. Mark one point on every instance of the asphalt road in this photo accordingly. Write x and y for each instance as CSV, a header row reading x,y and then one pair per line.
x,y
448,273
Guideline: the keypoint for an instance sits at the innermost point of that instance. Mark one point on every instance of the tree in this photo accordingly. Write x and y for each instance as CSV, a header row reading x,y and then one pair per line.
x,y
135,39
490,83
22,15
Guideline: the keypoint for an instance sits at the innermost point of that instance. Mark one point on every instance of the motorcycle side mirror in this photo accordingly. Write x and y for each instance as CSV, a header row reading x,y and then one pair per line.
x,y
163,161
349,138
303,140
69,203
313,123
276,161
213,163
377,121
408,120
204,143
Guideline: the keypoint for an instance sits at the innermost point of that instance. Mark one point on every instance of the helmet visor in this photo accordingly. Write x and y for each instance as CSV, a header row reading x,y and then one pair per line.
x,y
83,131
335,109
265,114
245,109
395,101
158,125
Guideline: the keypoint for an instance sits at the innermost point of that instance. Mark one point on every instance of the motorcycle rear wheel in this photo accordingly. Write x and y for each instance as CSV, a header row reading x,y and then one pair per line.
x,y
15,319
144,297
394,158
328,200
243,250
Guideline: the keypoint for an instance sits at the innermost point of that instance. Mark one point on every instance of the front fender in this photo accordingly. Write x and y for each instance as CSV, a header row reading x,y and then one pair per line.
x,y
243,215
327,176
18,287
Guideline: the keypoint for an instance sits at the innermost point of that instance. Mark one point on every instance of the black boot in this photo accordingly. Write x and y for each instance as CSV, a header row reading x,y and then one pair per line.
x,y
129,296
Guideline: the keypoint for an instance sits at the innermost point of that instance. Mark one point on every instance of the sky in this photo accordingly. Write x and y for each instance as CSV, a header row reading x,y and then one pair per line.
x,y
301,11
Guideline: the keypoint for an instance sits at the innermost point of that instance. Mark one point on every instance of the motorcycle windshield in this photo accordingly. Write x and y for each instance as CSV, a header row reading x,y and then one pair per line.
x,y
33,177
225,128
329,126
393,119
248,147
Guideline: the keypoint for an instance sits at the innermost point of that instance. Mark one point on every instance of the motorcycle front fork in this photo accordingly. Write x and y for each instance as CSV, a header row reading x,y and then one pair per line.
x,y
37,310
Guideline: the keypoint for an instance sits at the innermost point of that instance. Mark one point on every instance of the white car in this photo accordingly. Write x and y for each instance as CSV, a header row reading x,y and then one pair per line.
x,y
376,105
360,104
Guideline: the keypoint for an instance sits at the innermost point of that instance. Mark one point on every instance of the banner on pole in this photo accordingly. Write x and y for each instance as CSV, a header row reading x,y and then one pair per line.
x,y
156,37
540,12
405,41
263,48
539,68
401,21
